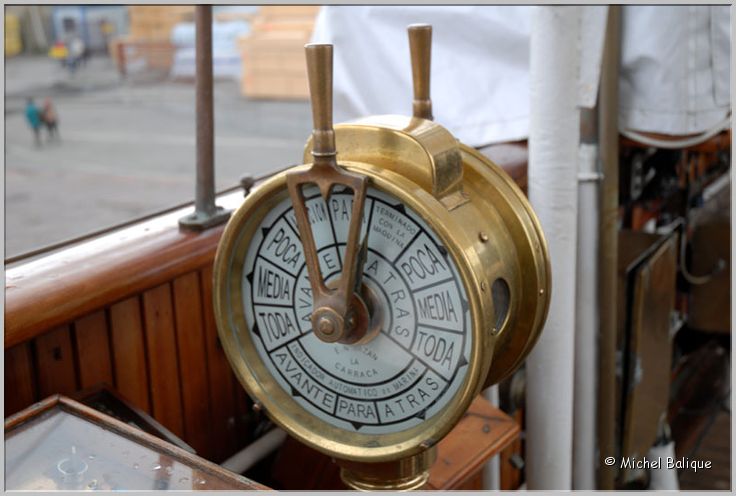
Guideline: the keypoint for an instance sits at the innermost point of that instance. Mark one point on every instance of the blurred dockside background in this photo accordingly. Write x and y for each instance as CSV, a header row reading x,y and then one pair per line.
x,y
260,47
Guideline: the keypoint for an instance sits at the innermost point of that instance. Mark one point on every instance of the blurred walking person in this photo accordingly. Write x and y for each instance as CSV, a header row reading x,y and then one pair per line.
x,y
76,53
33,116
50,119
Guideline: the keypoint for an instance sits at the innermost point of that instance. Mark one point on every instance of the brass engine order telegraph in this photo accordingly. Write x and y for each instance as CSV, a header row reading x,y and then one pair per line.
x,y
364,302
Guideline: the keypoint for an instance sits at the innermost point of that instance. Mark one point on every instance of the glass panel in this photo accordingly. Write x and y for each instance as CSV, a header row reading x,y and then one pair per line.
x,y
124,145
59,450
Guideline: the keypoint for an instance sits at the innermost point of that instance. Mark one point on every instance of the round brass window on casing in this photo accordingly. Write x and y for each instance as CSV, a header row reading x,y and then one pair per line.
x,y
501,295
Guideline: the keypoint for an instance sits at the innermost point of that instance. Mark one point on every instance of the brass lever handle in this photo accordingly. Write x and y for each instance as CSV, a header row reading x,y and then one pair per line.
x,y
319,72
420,45
338,314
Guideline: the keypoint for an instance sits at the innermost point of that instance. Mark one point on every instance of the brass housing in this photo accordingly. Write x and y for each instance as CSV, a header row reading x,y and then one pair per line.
x,y
487,227
400,475
252,372
486,206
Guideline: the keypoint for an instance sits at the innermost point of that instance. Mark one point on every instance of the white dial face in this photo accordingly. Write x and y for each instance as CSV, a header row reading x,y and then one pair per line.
x,y
417,362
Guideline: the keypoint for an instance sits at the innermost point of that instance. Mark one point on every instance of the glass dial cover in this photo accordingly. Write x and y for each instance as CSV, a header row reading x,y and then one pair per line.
x,y
417,361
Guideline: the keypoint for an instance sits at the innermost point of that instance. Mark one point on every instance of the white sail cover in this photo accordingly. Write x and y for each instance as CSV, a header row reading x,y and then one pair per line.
x,y
675,72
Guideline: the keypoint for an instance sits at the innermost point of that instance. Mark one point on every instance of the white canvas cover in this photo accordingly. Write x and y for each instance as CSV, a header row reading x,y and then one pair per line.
x,y
674,75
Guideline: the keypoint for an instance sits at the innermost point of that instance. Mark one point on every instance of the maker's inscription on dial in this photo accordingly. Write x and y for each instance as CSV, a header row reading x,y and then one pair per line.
x,y
413,367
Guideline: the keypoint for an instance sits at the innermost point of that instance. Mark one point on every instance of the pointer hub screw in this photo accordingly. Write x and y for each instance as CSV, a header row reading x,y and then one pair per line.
x,y
326,326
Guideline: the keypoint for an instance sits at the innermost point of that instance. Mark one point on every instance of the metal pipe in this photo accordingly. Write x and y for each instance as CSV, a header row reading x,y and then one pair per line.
x,y
206,213
255,451
554,133
492,468
663,478
608,248
205,199
586,309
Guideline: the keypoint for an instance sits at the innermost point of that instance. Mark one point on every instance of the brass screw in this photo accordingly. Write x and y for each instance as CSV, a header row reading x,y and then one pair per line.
x,y
426,444
257,406
326,326
483,237
541,291
483,285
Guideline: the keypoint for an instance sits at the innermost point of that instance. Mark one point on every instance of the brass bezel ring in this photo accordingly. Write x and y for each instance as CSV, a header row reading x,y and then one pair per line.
x,y
513,346
281,407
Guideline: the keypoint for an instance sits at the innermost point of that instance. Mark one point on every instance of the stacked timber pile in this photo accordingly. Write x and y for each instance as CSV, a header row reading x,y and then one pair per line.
x,y
148,43
233,16
155,22
273,53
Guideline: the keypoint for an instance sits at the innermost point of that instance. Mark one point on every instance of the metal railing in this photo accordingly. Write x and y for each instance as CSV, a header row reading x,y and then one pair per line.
x,y
206,212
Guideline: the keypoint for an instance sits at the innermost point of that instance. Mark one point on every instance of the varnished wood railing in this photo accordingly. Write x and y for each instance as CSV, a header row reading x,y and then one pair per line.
x,y
72,282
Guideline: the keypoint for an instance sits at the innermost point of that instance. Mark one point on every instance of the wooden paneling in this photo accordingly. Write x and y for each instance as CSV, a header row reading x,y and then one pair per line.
x,y
483,432
19,383
474,483
160,350
129,353
158,316
221,378
55,362
711,244
93,350
192,361
245,418
647,345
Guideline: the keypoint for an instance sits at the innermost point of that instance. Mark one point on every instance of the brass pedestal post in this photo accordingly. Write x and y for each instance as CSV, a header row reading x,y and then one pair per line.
x,y
400,475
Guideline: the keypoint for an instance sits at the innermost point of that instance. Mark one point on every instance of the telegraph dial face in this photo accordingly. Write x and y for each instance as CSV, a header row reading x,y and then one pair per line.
x,y
414,363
